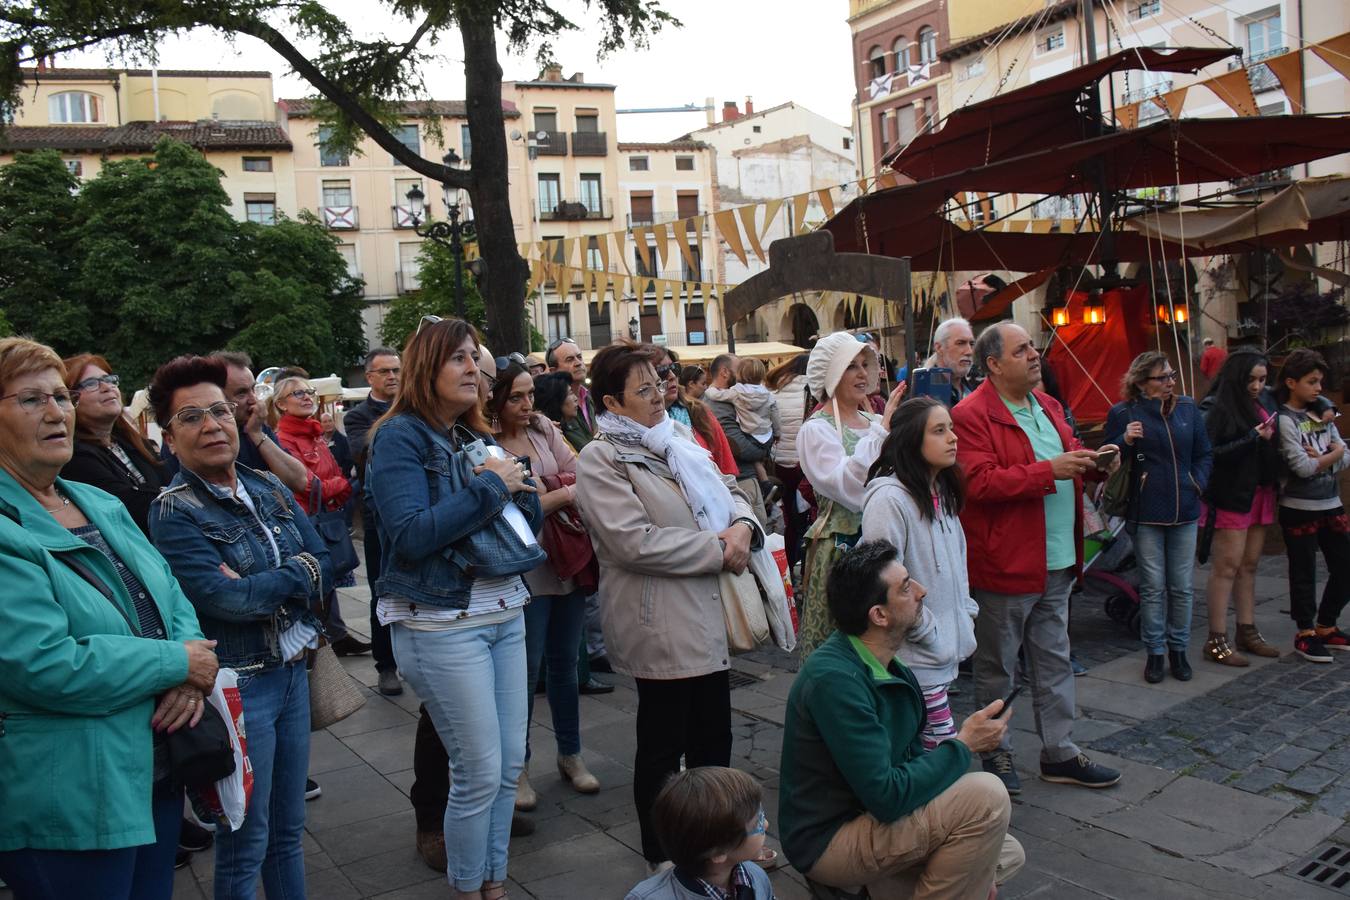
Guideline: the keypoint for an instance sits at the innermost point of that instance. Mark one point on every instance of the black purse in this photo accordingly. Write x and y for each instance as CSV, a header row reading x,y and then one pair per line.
x,y
332,528
199,755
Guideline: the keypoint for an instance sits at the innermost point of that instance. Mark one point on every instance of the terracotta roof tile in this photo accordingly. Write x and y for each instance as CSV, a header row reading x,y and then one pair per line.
x,y
304,108
140,137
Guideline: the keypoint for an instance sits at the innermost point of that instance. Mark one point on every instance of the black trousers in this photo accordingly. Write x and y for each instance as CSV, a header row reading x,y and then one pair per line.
x,y
1304,532
431,776
686,717
382,646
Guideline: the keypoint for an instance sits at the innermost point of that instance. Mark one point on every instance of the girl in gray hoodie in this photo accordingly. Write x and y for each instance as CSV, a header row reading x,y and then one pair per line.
x,y
915,491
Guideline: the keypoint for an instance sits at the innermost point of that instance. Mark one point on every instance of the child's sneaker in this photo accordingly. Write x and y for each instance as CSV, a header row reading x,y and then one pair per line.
x,y
1334,639
1310,647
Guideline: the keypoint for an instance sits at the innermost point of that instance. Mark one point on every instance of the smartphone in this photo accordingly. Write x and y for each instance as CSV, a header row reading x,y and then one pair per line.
x,y
525,464
1272,417
1007,704
935,382
1104,457
477,452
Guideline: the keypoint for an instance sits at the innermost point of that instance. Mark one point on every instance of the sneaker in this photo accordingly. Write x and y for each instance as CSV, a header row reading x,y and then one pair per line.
x,y
350,646
1335,639
1079,670
193,837
1310,647
1081,771
182,858
595,686
312,789
1001,764
389,685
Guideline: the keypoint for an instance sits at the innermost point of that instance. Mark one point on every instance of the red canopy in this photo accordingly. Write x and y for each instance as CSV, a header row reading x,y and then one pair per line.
x,y
1039,115
1090,360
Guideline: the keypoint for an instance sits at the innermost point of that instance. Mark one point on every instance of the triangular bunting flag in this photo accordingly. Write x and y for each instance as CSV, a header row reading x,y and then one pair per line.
x,y
602,290
1288,69
1235,89
887,180
659,232
729,232
1128,115
602,244
621,247
696,225
747,214
771,209
569,246
644,253
826,202
682,240
1335,52
799,204
1174,100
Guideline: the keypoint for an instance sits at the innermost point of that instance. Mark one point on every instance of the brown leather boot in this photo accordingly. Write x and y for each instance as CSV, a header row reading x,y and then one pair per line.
x,y
1217,649
431,847
1249,639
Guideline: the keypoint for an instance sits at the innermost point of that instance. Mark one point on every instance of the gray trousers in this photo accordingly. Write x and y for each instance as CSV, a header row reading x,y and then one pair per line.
x,y
1038,624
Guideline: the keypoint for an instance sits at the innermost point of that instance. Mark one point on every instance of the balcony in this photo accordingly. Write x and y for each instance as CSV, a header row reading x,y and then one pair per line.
x,y
340,218
1144,93
590,143
662,218
575,210
1143,9
407,280
553,143
1260,76
404,217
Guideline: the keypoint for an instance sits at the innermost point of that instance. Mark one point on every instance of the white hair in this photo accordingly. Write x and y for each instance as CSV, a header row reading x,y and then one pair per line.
x,y
945,328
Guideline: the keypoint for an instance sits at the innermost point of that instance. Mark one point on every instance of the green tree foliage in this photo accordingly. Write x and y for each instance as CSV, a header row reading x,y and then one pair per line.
x,y
360,78
146,262
435,297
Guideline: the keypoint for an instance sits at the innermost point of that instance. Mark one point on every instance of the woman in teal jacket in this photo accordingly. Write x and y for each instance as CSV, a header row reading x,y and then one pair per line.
x,y
101,657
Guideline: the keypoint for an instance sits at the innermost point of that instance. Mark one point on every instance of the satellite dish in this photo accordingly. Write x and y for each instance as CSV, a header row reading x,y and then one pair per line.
x,y
541,135
515,134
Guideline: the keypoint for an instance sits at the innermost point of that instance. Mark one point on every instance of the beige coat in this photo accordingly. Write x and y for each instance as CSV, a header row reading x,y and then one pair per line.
x,y
659,600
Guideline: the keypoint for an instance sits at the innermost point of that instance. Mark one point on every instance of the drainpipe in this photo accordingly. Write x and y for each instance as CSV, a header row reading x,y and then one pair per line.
x,y
154,89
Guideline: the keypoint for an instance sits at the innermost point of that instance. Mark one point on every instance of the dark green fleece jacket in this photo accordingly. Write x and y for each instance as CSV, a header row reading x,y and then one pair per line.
x,y
851,746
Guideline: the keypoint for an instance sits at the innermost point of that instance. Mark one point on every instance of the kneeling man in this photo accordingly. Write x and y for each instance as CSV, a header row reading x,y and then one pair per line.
x,y
861,803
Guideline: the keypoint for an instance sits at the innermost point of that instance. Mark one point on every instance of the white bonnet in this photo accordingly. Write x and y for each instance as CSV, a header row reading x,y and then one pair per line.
x,y
830,358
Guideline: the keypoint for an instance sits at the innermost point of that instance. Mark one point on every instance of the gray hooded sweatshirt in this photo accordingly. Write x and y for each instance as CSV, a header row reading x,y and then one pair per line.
x,y
934,552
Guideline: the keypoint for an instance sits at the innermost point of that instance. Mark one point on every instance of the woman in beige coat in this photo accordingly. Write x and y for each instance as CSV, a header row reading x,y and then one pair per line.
x,y
664,522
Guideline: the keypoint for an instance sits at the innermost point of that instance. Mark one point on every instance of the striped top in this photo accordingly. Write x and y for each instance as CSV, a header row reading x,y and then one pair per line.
x,y
491,602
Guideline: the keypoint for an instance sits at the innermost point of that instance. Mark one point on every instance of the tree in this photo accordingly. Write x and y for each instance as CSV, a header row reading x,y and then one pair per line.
x,y
435,296
361,80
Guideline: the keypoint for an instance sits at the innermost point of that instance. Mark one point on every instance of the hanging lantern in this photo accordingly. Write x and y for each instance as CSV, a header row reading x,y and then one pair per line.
x,y
1059,316
1181,315
1164,317
1094,309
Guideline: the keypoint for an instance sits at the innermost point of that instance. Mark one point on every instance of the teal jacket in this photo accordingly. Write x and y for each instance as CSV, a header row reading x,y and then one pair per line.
x,y
77,686
851,746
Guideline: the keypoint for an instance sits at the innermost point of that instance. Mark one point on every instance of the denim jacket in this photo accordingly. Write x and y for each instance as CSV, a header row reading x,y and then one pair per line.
x,y
441,525
197,526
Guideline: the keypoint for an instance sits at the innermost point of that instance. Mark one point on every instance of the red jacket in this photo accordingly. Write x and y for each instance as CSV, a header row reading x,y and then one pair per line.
x,y
303,439
1004,518
720,449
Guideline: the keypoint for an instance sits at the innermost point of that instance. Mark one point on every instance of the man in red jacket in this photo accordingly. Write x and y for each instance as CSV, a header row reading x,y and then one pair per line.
x,y
1023,524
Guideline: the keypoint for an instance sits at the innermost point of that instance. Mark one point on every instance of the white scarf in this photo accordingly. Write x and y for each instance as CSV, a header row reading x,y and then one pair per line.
x,y
691,465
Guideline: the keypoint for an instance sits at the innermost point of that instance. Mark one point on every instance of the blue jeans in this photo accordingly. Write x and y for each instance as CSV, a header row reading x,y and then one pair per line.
x,y
1166,558
472,682
130,873
276,720
553,630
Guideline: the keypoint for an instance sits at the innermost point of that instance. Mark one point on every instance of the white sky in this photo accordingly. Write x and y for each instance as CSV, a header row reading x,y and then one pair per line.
x,y
771,50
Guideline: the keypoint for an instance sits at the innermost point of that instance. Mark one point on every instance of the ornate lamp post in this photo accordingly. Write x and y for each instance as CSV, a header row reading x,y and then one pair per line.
x,y
449,233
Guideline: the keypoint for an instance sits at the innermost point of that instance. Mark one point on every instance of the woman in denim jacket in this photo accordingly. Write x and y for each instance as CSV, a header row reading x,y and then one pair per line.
x,y
457,520
254,568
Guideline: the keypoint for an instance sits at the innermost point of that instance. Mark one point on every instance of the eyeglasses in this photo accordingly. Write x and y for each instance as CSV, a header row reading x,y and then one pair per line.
x,y
300,393
761,824
385,373
93,384
428,320
194,416
1166,376
34,402
643,393
669,369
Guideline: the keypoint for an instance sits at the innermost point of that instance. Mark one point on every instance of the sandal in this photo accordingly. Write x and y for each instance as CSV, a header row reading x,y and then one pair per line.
x,y
1217,649
498,891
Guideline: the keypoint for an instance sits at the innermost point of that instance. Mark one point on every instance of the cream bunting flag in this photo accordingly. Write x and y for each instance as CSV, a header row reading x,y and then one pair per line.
x,y
799,204
747,214
682,240
602,245
644,253
621,245
602,289
1234,89
569,245
1288,70
1335,52
729,232
662,251
771,209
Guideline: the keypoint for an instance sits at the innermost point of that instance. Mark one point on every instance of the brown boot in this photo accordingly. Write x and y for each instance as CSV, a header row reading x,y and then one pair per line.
x,y
526,798
1217,649
431,847
1249,639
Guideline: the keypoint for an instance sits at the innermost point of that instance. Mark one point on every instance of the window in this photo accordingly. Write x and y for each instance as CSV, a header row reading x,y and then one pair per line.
x,y
972,69
684,164
686,204
550,192
756,129
558,325
876,62
884,129
640,208
590,193
74,107
1142,9
694,272
639,164
330,157
337,193
348,252
588,123
927,45
545,120
408,137
906,126
261,208
1264,35
466,143
593,260
75,167
1050,41
848,143
257,163
409,275
648,268
901,48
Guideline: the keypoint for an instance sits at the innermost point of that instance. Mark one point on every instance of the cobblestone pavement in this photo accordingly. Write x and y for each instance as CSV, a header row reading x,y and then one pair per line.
x,y
1230,779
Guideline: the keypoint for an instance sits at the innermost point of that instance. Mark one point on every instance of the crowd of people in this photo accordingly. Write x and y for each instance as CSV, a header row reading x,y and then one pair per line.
x,y
530,521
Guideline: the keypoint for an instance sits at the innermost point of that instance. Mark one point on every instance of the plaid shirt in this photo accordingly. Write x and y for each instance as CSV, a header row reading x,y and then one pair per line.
x,y
742,888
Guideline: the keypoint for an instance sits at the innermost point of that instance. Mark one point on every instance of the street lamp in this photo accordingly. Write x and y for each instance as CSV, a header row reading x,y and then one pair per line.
x,y
633,326
450,233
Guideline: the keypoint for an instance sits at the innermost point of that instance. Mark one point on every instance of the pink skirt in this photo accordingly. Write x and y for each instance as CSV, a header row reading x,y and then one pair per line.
x,y
1262,512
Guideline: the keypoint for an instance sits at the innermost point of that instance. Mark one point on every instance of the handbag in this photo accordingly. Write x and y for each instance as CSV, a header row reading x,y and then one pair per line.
x,y
331,526
1121,494
743,611
333,694
564,538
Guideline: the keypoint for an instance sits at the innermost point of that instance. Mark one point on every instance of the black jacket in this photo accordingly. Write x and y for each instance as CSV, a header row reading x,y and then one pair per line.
x,y
96,465
356,422
1243,461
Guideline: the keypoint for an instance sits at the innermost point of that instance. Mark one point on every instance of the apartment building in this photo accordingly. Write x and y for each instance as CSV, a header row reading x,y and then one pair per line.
x,y
91,116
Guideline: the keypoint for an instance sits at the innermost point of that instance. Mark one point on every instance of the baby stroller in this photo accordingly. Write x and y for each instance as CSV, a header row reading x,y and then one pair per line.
x,y
1108,561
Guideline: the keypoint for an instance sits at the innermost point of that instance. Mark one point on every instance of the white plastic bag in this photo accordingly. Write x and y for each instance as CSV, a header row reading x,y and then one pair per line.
x,y
226,802
777,606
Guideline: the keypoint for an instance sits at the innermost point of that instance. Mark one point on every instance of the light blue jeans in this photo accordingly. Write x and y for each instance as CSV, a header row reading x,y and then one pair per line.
x,y
276,719
1166,558
472,681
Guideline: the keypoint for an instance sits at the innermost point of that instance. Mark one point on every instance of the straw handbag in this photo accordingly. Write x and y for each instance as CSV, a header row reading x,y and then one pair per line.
x,y
333,694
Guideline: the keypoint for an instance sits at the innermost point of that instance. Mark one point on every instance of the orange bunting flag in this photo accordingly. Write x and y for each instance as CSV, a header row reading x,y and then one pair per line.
x,y
747,214
1235,89
726,227
1288,69
1335,52
826,202
799,204
1128,115
1172,101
